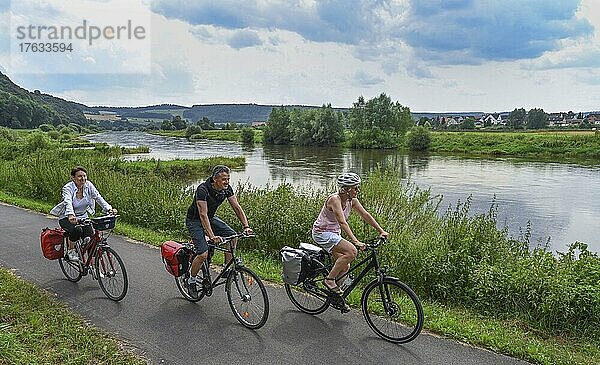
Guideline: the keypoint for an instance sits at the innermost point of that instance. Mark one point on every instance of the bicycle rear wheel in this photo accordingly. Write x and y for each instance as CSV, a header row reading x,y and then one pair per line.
x,y
310,297
71,269
182,283
111,273
247,297
392,310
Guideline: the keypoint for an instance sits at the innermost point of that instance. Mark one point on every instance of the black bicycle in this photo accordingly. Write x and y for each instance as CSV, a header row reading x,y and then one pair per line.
x,y
390,307
97,258
246,293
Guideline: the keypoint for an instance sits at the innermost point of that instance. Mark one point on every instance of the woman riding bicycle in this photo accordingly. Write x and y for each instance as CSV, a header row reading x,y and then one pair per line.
x,y
79,198
332,219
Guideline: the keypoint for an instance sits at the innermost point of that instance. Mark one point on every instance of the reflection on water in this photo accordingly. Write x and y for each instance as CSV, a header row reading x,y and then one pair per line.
x,y
562,201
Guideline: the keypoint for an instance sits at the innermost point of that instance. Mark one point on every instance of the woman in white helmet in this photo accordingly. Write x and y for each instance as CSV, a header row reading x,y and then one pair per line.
x,y
330,223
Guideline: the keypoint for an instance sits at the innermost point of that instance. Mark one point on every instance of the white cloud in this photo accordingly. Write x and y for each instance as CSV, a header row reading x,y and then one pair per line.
x,y
295,53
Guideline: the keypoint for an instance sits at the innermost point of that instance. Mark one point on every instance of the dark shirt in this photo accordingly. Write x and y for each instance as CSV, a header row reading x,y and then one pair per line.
x,y
212,197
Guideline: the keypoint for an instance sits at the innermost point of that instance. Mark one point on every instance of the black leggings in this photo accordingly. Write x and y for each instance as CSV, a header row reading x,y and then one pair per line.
x,y
74,232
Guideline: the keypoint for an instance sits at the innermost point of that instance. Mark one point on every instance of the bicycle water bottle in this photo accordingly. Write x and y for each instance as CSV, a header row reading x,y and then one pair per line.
x,y
347,282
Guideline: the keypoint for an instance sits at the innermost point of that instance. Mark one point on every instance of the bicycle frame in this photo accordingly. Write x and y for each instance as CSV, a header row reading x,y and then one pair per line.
x,y
93,248
235,261
370,262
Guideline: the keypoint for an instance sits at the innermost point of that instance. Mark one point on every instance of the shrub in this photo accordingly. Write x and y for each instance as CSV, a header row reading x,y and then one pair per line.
x,y
419,139
46,127
192,130
247,135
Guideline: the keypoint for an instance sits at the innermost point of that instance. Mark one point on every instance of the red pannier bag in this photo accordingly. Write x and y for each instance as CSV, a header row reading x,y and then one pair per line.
x,y
176,257
52,241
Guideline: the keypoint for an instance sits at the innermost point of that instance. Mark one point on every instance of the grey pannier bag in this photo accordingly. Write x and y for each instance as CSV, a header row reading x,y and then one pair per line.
x,y
292,260
300,263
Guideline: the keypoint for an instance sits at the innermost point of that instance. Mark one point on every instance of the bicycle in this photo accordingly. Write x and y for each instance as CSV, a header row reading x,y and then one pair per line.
x,y
385,300
246,293
97,258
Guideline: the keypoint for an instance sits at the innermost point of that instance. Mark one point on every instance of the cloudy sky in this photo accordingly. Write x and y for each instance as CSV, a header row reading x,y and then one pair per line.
x,y
430,55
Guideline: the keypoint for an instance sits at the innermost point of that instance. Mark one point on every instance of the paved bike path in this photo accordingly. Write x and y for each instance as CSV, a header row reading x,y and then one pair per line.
x,y
166,329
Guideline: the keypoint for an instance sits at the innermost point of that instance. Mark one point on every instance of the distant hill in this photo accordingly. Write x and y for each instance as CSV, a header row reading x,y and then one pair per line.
x,y
240,113
20,108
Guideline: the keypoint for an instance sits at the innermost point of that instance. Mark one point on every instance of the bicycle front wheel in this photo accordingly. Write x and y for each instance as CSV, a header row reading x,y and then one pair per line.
x,y
71,269
111,274
392,310
310,296
247,297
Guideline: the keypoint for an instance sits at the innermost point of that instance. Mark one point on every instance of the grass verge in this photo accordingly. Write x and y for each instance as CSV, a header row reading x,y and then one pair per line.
x,y
36,329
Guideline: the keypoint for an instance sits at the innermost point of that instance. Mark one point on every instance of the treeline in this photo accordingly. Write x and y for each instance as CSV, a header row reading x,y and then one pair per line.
x,y
376,123
20,108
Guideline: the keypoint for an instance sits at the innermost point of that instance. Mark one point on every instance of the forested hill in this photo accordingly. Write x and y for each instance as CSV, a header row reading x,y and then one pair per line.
x,y
240,113
20,108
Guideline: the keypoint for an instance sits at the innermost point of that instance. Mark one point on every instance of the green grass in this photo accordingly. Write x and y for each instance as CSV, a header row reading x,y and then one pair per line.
x,y
37,329
520,144
217,134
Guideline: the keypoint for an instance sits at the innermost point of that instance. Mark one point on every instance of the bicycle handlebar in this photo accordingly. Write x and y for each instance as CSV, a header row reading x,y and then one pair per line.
x,y
88,221
229,238
373,243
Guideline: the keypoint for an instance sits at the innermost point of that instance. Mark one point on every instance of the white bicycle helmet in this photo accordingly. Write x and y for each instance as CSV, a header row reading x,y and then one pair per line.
x,y
348,179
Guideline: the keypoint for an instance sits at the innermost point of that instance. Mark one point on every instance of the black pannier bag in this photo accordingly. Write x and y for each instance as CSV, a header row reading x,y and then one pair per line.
x,y
300,263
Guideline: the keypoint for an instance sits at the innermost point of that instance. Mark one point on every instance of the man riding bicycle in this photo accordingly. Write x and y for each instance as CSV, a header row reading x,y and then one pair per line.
x,y
328,226
201,220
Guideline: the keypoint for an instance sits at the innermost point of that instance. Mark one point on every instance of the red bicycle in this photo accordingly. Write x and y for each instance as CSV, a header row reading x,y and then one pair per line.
x,y
97,258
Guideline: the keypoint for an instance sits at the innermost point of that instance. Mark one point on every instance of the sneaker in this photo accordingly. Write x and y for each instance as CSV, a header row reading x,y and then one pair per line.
x,y
72,255
192,289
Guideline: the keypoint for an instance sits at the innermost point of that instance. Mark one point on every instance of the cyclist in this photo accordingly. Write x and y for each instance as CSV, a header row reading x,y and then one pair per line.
x,y
201,220
326,231
79,199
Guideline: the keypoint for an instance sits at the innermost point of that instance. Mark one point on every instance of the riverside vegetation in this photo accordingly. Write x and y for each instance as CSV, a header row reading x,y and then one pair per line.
x,y
477,283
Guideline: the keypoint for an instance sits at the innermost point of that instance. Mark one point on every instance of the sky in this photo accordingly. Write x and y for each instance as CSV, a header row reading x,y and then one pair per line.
x,y
429,55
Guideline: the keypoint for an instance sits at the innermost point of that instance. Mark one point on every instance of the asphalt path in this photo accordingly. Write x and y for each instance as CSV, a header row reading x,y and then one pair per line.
x,y
160,325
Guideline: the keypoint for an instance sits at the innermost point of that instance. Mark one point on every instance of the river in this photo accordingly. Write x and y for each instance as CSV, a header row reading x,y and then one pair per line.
x,y
562,201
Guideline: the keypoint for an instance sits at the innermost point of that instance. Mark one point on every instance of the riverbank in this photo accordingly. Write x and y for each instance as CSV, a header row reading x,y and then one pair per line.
x,y
540,145
516,302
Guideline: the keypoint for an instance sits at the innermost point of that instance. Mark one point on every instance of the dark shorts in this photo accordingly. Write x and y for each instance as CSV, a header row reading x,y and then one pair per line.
x,y
196,231
75,233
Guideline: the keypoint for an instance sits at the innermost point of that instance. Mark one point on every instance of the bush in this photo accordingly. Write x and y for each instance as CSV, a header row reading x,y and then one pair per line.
x,y
419,139
247,135
194,137
46,127
192,130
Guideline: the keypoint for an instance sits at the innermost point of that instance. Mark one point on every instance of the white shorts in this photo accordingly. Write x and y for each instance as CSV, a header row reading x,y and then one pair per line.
x,y
326,240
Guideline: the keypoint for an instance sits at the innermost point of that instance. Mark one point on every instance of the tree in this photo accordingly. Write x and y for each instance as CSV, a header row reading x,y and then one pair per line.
x,y
537,119
468,123
277,129
247,135
167,125
206,124
516,118
378,123
328,128
178,123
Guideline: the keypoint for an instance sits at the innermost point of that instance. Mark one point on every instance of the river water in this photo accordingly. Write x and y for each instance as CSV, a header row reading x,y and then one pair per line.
x,y
561,201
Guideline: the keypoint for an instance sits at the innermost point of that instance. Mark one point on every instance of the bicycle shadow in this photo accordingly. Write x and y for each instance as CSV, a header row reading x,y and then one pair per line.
x,y
187,321
329,338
